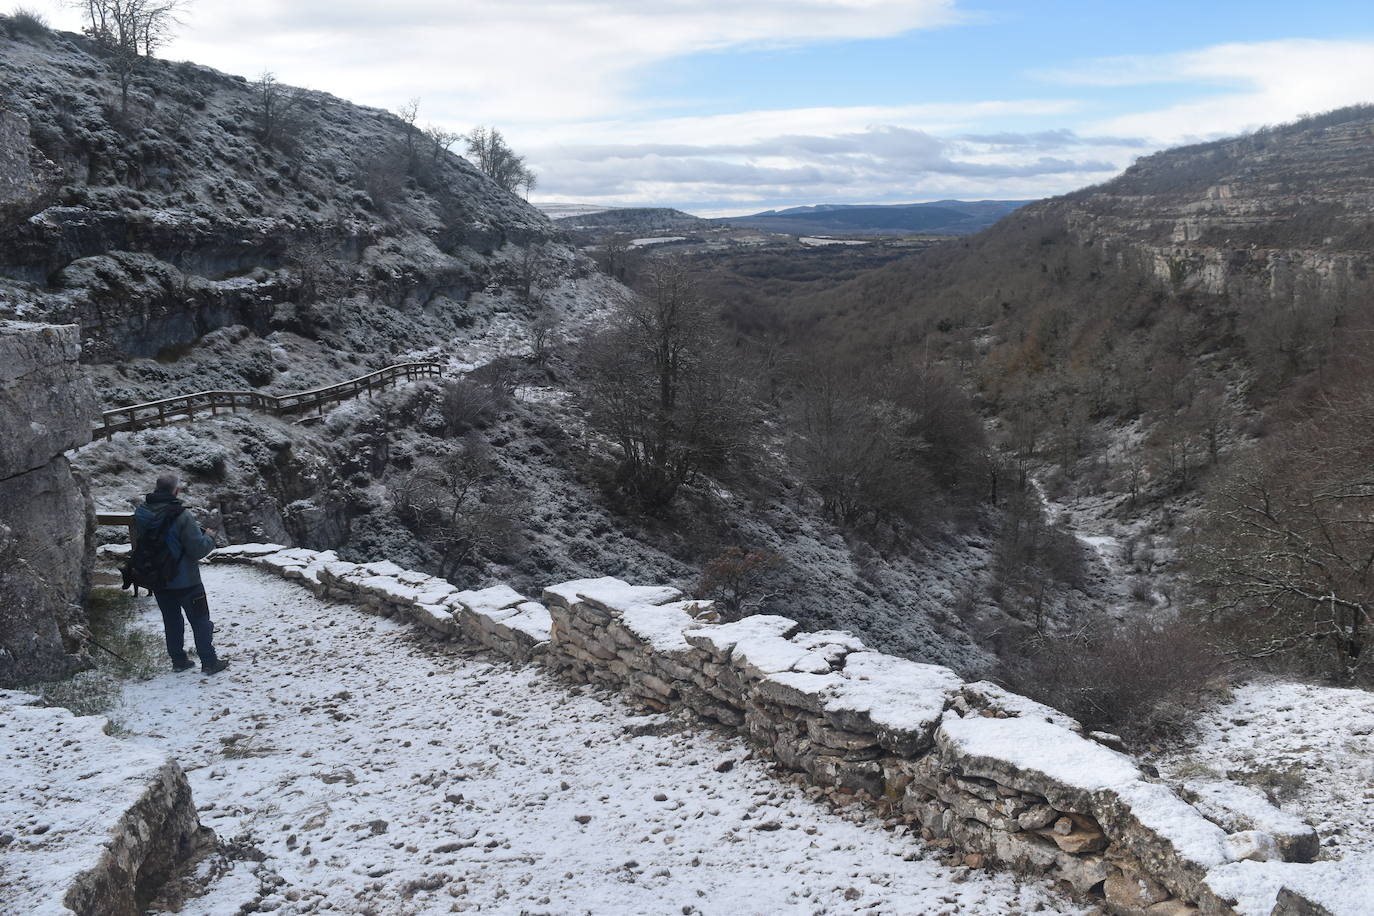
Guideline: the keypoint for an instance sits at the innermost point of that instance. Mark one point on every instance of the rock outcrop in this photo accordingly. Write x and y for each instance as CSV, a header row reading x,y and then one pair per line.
x,y
94,825
46,407
181,213
991,777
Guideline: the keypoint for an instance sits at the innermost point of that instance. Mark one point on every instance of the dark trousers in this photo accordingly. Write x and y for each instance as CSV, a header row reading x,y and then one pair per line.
x,y
172,602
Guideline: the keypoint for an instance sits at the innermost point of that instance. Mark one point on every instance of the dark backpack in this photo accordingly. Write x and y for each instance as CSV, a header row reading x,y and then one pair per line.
x,y
152,563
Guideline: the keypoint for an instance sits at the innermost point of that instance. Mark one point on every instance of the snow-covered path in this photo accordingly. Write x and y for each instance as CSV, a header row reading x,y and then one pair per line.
x,y
373,770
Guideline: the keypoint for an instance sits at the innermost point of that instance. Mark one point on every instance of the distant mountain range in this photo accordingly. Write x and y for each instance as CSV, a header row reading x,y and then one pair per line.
x,y
631,219
941,217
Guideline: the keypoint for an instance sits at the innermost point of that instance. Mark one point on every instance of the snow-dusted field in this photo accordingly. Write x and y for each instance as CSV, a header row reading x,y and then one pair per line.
x,y
1310,747
377,771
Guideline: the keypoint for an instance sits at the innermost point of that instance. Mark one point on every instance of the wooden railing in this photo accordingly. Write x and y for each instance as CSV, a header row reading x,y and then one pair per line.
x,y
210,403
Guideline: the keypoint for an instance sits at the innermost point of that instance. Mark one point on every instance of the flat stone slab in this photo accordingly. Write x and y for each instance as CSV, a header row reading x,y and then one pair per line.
x,y
1340,888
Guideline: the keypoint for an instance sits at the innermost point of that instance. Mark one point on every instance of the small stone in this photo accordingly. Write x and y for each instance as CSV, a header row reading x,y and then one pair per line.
x,y
1063,826
1036,818
583,818
660,797
725,765
974,860
852,893
1081,841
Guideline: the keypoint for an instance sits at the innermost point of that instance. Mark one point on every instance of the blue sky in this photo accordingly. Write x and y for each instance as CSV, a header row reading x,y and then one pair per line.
x,y
732,106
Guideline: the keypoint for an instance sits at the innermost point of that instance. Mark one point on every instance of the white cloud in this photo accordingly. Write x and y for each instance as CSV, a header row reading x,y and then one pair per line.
x,y
1258,83
508,61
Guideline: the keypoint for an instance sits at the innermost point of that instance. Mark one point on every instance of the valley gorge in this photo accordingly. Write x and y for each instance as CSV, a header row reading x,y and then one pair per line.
x,y
890,519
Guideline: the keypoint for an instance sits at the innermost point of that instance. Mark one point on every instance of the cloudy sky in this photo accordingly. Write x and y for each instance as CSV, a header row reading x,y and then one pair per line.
x,y
734,106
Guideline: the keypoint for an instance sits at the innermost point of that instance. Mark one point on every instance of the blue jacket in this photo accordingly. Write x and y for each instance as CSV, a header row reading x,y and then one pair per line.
x,y
189,544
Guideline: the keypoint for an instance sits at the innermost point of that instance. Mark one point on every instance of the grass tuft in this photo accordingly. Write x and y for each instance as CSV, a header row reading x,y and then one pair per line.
x,y
95,692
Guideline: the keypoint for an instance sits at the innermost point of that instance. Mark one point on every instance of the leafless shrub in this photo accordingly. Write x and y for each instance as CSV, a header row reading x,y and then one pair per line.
x,y
735,580
459,505
499,377
279,113
25,23
1286,545
464,406
321,276
1141,681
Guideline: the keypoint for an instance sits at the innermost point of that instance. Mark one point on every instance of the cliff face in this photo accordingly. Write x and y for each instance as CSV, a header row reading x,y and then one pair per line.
x,y
194,208
46,405
1282,214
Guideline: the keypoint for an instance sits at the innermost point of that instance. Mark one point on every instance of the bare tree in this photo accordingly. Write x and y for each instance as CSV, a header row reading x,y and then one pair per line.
x,y
440,141
1287,546
659,384
543,331
615,256
128,29
409,113
278,111
535,268
319,273
458,504
488,150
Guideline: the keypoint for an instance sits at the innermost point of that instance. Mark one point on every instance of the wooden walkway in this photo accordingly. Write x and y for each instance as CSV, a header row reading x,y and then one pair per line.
x,y
188,407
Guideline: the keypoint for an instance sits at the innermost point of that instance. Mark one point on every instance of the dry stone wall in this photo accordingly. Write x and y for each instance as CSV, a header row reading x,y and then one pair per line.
x,y
993,777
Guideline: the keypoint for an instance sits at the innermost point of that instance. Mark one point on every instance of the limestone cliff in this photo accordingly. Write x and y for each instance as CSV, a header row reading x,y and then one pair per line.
x,y
189,209
46,406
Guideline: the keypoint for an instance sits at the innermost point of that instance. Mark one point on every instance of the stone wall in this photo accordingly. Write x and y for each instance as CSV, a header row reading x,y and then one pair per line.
x,y
46,407
994,778
89,824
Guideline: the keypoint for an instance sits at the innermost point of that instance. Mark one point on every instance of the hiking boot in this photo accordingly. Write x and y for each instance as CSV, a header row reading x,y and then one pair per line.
x,y
184,665
214,667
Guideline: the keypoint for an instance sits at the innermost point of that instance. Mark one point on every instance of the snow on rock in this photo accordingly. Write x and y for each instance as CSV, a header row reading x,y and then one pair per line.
x,y
721,640
488,600
1173,840
1309,747
987,696
1343,888
1241,808
662,626
899,700
247,551
362,771
1041,754
610,594
87,822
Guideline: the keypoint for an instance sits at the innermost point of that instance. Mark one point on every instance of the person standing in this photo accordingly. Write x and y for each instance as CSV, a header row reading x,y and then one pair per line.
x,y
183,591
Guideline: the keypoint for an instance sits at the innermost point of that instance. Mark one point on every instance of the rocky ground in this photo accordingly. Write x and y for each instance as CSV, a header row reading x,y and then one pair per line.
x,y
349,765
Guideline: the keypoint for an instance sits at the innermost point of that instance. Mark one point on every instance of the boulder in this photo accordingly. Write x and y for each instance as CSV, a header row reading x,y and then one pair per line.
x,y
45,558
47,404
